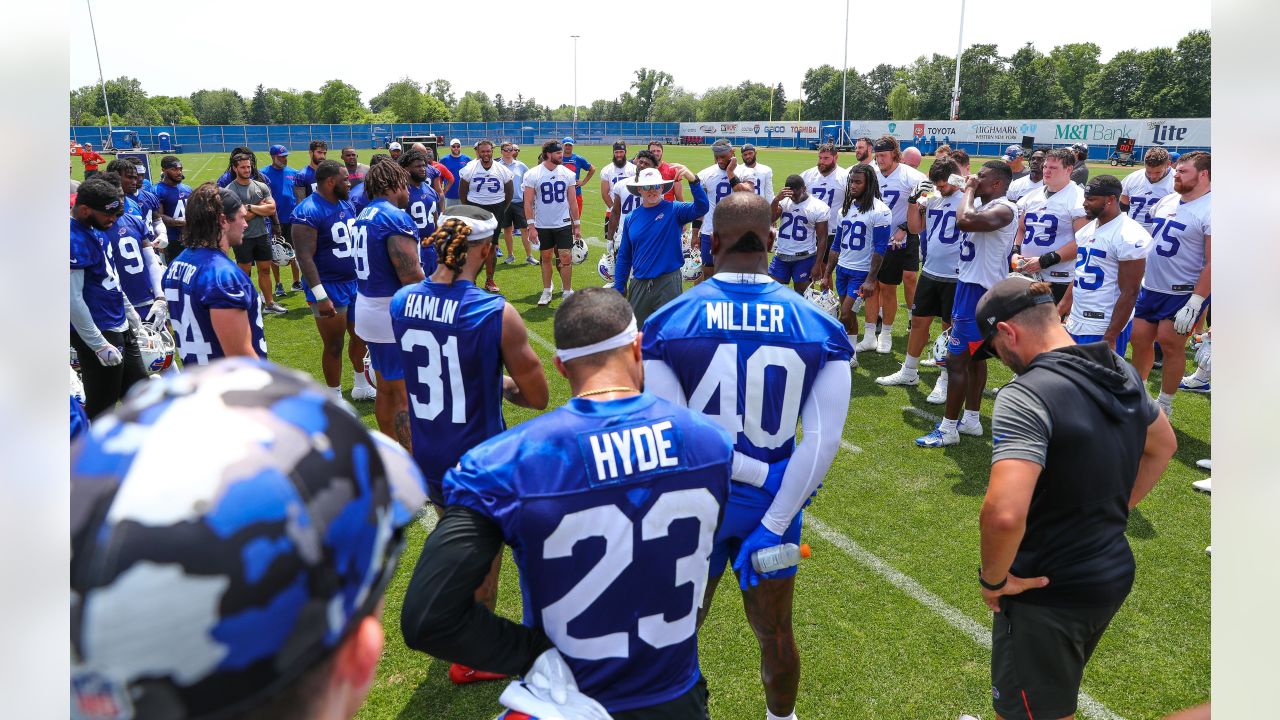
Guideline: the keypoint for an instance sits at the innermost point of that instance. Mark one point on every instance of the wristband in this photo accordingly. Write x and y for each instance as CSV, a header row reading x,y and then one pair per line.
x,y
319,293
577,222
991,586
1049,259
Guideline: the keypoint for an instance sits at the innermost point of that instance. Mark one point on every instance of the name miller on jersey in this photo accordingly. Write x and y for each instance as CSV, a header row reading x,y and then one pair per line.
x,y
634,450
430,307
724,315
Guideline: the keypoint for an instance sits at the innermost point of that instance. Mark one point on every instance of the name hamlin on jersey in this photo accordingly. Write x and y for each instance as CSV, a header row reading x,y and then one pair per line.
x,y
725,315
633,451
430,307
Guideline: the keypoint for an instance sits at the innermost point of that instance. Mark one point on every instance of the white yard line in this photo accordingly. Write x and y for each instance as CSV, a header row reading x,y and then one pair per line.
x,y
921,413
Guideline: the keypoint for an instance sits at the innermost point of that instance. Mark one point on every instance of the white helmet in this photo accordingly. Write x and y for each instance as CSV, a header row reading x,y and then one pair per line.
x,y
824,298
605,267
281,251
1204,356
692,268
156,346
77,387
579,251
940,347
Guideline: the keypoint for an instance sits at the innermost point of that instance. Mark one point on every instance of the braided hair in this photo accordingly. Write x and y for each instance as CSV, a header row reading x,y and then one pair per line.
x,y
870,192
451,244
384,177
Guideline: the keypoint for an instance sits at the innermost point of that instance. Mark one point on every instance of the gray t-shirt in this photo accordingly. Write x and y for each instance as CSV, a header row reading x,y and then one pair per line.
x,y
1021,425
252,194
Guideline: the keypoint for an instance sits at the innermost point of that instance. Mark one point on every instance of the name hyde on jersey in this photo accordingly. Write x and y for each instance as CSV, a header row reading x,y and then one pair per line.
x,y
631,452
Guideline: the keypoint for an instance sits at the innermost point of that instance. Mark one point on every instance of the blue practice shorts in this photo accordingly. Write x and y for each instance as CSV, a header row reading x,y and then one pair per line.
x,y
704,248
787,272
427,256
386,360
965,337
1154,306
742,514
343,295
849,281
1122,340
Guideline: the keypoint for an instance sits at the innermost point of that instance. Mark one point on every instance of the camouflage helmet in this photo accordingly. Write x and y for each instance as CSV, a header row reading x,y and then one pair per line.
x,y
211,568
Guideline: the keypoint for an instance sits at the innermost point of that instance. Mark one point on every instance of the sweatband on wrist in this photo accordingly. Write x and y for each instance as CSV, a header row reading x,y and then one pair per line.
x,y
319,293
1049,259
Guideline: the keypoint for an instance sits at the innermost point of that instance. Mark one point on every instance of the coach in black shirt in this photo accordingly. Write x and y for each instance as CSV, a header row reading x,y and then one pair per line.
x,y
1077,442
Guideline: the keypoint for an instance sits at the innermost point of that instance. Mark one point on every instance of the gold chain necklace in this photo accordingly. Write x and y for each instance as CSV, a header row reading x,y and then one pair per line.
x,y
602,391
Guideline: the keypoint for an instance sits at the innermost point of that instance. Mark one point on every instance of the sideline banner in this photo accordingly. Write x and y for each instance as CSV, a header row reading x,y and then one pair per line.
x,y
807,129
1146,132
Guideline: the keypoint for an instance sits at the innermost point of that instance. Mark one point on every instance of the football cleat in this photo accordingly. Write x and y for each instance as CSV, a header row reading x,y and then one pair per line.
x,y
544,299
974,428
1204,486
938,395
461,675
868,343
884,342
1193,384
902,377
938,438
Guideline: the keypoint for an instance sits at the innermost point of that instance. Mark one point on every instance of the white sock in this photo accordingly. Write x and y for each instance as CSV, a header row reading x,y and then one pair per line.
x,y
337,391
1165,398
853,339
770,716
869,332
971,417
1202,375
360,380
949,425
911,363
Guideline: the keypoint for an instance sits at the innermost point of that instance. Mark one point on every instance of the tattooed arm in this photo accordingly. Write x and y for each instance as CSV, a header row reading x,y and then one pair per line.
x,y
403,251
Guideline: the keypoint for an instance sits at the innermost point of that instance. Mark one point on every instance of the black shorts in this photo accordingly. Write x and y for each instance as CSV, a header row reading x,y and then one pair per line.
x,y
896,262
285,230
1038,654
255,249
513,217
1059,290
560,238
690,706
934,297
499,211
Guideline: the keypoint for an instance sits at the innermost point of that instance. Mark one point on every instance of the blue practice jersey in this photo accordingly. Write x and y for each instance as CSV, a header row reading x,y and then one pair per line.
x,y
375,275
577,164
357,197
422,208
452,335
335,225
746,355
200,280
148,205
173,203
455,165
610,509
124,249
281,182
102,291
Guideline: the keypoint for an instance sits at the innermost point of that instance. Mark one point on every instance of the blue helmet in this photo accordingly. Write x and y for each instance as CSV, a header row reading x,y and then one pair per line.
x,y
229,526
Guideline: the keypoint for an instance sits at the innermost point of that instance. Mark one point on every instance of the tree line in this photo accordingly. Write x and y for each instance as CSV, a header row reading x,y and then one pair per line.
x,y
1069,81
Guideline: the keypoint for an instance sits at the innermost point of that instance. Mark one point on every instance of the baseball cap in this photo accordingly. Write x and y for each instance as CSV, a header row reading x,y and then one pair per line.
x,y
1012,153
455,141
394,146
1004,300
567,141
208,592
747,147
620,146
278,150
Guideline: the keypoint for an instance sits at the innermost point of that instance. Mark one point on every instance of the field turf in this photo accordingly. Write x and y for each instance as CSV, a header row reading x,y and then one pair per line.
x,y
888,618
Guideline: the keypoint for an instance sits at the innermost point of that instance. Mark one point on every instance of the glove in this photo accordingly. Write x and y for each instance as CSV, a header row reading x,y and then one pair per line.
x,y
759,539
522,698
552,675
159,314
161,242
924,188
1186,317
109,355
773,481
135,322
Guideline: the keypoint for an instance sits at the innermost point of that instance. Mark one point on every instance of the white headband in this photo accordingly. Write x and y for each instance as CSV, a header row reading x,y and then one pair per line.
x,y
625,337
480,229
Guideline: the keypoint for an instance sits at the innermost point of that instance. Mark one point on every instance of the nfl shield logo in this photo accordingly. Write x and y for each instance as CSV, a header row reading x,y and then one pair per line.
x,y
97,697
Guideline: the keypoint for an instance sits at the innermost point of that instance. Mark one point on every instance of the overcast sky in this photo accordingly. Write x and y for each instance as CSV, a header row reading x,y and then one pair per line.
x,y
176,47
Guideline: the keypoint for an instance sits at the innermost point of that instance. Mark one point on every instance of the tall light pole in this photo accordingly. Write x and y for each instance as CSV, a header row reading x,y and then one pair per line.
x,y
955,88
844,78
575,86
101,80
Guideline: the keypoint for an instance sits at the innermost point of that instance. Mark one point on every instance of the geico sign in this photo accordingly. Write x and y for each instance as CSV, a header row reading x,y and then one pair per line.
x,y
1091,131
775,128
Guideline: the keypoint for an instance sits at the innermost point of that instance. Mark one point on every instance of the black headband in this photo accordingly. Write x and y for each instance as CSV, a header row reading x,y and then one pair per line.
x,y
883,146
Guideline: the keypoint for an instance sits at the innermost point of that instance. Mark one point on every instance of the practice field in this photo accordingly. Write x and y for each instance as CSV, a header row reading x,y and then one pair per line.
x,y
888,614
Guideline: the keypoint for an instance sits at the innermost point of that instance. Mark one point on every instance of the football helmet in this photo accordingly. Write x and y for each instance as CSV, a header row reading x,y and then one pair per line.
x,y
940,347
579,251
281,251
824,298
605,267
1204,355
157,348
692,268
77,387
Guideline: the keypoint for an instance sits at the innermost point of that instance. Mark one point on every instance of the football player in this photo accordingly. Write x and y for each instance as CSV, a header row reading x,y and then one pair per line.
x,y
764,173
622,201
861,242
717,180
172,194
1048,219
216,311
1034,177
934,220
489,186
711,350
424,204
1144,188
637,478
826,181
323,236
802,235
304,183
129,249
1177,282
902,262
556,222
619,169
988,230
1112,256
281,179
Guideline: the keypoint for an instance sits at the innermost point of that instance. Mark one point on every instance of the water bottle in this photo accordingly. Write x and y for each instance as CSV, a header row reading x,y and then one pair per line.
x,y
858,302
779,557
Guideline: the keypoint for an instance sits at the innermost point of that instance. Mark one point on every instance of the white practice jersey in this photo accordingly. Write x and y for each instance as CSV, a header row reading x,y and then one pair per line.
x,y
1178,230
763,180
1048,219
896,186
552,192
486,186
1019,188
798,225
984,256
517,170
855,239
624,202
940,243
1144,194
613,173
1100,251
715,182
829,189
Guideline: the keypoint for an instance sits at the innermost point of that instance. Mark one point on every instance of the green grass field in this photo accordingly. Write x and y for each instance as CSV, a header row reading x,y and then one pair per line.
x,y
888,511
